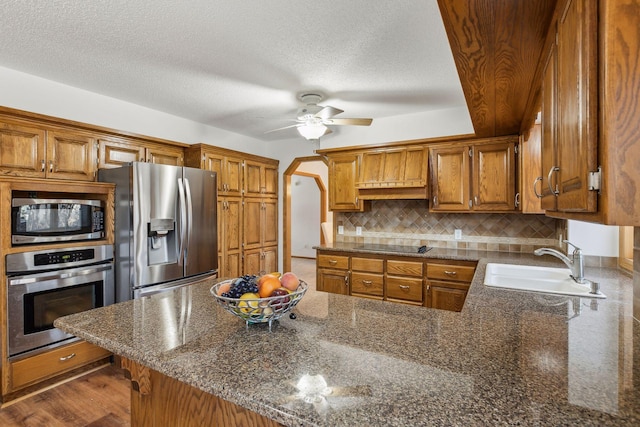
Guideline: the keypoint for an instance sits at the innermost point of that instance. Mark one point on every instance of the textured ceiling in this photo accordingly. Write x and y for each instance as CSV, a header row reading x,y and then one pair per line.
x,y
239,65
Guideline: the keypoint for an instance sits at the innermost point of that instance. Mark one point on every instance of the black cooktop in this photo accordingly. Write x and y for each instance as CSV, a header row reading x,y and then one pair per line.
x,y
394,248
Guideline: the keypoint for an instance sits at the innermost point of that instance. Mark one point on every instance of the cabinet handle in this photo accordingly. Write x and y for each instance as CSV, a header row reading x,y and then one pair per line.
x,y
405,287
551,171
42,166
535,191
367,282
333,262
475,200
435,200
517,201
65,358
450,273
346,280
50,166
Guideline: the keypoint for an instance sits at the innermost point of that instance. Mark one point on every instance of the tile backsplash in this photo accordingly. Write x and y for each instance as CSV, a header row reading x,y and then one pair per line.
x,y
409,222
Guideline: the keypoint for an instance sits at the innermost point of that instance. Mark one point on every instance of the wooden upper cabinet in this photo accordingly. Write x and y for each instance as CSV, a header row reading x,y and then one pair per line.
x,y
493,177
71,155
450,178
114,152
474,177
577,92
260,179
166,155
343,173
549,186
35,152
22,150
393,167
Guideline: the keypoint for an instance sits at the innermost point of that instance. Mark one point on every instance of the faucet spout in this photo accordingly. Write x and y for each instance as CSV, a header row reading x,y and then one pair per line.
x,y
575,264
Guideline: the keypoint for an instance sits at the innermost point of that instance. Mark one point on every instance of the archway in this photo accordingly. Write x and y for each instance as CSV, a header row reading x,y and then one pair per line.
x,y
286,204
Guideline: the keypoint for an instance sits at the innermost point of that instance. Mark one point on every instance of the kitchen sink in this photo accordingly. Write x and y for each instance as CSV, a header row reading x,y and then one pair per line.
x,y
536,279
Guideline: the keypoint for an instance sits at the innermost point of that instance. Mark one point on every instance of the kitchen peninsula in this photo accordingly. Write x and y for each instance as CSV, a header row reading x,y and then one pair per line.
x,y
508,358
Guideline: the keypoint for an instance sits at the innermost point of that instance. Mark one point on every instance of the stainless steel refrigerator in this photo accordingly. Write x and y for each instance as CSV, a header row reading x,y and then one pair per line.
x,y
165,227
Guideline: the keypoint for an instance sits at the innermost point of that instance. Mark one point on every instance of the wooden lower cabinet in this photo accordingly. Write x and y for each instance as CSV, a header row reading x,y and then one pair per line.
x,y
367,277
433,283
404,281
447,297
448,283
261,260
31,370
158,400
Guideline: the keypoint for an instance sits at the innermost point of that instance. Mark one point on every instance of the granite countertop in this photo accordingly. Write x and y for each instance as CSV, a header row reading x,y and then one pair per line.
x,y
508,358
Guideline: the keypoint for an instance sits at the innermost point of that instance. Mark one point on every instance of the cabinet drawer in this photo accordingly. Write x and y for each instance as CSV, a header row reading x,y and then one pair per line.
x,y
457,273
369,284
404,288
333,261
54,362
367,264
404,268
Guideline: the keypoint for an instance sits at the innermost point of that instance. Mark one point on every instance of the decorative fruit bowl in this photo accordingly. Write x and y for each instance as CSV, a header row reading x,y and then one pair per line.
x,y
252,308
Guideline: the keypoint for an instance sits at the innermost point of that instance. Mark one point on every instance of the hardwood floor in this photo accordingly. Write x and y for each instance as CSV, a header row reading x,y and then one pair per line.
x,y
98,399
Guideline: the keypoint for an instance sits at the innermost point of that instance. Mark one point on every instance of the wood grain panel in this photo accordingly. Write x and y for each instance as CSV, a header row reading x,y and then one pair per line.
x,y
496,45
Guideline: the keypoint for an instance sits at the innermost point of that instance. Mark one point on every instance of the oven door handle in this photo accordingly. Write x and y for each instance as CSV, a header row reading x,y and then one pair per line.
x,y
43,277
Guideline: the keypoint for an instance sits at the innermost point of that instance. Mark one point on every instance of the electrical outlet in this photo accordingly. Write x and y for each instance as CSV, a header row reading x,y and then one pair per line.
x,y
358,231
457,234
341,229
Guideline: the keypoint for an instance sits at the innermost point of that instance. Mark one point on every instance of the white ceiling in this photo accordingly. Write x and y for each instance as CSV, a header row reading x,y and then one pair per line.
x,y
239,65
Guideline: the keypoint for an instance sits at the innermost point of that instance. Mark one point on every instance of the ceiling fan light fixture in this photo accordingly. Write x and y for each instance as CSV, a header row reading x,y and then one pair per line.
x,y
312,131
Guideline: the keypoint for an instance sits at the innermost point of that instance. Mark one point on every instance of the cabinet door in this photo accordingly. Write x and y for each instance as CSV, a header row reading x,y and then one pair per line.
x,y
233,176
270,259
270,181
215,163
450,178
166,156
252,181
548,145
343,172
446,298
333,281
22,150
113,154
269,222
230,224
577,105
494,185
415,169
367,284
371,170
252,223
252,261
71,156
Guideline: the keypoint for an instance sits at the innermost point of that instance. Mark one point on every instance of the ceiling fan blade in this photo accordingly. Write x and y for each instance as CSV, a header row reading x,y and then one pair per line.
x,y
351,122
283,128
327,112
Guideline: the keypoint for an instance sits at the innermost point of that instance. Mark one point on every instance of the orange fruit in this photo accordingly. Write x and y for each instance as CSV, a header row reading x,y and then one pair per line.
x,y
268,285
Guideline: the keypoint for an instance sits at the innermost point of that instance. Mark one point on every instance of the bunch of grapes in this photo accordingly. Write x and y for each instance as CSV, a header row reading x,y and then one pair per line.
x,y
242,285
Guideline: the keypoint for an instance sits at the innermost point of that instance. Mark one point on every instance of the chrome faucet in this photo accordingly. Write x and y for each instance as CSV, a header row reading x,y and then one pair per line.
x,y
576,264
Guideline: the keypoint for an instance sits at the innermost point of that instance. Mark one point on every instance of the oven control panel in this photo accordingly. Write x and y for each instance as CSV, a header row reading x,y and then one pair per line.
x,y
63,257
68,257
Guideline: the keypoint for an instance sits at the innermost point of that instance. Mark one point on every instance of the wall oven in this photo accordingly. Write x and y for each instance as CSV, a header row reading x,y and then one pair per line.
x,y
54,219
44,285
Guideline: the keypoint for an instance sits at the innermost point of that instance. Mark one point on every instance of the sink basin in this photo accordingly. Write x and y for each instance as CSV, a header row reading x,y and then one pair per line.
x,y
536,279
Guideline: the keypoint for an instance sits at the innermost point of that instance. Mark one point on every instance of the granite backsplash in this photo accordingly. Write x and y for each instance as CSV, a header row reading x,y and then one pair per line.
x,y
409,222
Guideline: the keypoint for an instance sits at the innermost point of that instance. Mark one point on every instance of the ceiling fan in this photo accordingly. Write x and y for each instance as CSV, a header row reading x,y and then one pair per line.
x,y
312,119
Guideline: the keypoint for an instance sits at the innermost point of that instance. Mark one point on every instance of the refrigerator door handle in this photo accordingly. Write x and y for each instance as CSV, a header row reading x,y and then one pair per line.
x,y
183,216
187,191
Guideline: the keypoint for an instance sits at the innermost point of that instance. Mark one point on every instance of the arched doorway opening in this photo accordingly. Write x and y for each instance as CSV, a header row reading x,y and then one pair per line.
x,y
294,169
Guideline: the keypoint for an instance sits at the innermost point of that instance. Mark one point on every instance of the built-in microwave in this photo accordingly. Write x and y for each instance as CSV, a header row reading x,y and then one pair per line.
x,y
47,220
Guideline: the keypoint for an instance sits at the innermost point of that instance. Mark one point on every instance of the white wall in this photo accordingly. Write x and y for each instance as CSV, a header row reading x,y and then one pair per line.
x,y
305,216
594,239
30,93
